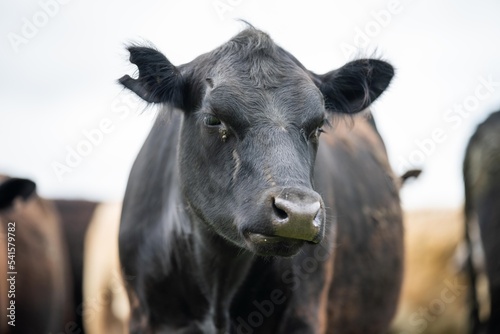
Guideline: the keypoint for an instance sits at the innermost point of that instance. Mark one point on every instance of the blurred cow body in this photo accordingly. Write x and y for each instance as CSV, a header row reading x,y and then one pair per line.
x,y
42,283
482,210
368,252
75,216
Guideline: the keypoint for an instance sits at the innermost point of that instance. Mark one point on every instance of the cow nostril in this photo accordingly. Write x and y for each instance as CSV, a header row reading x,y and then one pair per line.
x,y
296,215
279,212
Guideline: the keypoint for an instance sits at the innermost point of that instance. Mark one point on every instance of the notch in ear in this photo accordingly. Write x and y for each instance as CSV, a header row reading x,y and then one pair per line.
x,y
354,86
14,188
159,81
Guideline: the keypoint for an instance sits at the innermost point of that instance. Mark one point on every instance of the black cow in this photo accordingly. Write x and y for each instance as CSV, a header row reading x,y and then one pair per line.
x,y
238,218
482,212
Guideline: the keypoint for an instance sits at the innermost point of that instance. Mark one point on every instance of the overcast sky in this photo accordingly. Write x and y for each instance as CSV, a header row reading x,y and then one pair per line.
x,y
59,62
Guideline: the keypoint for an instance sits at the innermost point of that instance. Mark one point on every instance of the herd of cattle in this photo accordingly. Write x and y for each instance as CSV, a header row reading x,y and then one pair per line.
x,y
242,216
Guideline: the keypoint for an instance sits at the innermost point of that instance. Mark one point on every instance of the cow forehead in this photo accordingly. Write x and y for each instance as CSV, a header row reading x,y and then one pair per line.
x,y
251,75
263,83
294,103
271,67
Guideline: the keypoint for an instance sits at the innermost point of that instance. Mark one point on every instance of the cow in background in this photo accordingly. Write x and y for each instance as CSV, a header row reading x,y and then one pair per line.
x,y
481,170
42,283
75,217
106,307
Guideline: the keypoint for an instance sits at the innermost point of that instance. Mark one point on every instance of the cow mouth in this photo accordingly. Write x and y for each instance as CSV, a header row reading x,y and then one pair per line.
x,y
269,245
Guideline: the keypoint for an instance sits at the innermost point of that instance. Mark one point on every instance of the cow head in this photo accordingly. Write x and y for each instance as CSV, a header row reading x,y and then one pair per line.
x,y
14,188
253,116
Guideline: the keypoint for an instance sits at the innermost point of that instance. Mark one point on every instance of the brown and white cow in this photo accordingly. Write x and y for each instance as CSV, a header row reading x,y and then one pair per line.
x,y
105,303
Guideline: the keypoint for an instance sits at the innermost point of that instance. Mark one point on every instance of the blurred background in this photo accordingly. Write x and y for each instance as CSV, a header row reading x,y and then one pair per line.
x,y
60,61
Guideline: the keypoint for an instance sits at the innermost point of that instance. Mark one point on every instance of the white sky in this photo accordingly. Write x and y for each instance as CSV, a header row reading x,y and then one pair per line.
x,y
61,80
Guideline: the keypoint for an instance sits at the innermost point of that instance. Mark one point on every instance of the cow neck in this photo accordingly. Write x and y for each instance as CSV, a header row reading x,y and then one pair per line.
x,y
221,268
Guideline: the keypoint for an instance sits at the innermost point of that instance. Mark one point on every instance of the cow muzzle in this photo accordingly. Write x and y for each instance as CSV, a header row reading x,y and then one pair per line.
x,y
293,216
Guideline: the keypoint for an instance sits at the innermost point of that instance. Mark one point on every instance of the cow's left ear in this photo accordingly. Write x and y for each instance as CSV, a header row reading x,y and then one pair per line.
x,y
159,81
14,188
354,86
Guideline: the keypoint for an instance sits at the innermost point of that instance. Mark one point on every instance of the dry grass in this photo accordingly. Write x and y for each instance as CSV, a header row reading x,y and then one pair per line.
x,y
431,238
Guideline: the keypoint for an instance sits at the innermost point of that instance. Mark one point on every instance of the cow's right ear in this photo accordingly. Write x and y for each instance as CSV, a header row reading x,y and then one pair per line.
x,y
353,87
159,81
14,188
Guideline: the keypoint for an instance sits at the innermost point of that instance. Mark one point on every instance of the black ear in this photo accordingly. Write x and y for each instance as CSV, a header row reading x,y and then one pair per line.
x,y
354,86
409,174
13,188
159,81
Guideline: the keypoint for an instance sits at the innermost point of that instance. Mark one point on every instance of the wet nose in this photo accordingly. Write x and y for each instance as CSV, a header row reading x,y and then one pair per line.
x,y
297,214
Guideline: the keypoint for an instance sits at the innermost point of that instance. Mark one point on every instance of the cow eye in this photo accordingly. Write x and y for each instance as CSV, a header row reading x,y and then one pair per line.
x,y
314,136
316,133
211,120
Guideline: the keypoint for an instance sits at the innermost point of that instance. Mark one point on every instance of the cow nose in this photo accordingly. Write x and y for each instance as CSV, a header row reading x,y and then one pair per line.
x,y
297,215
